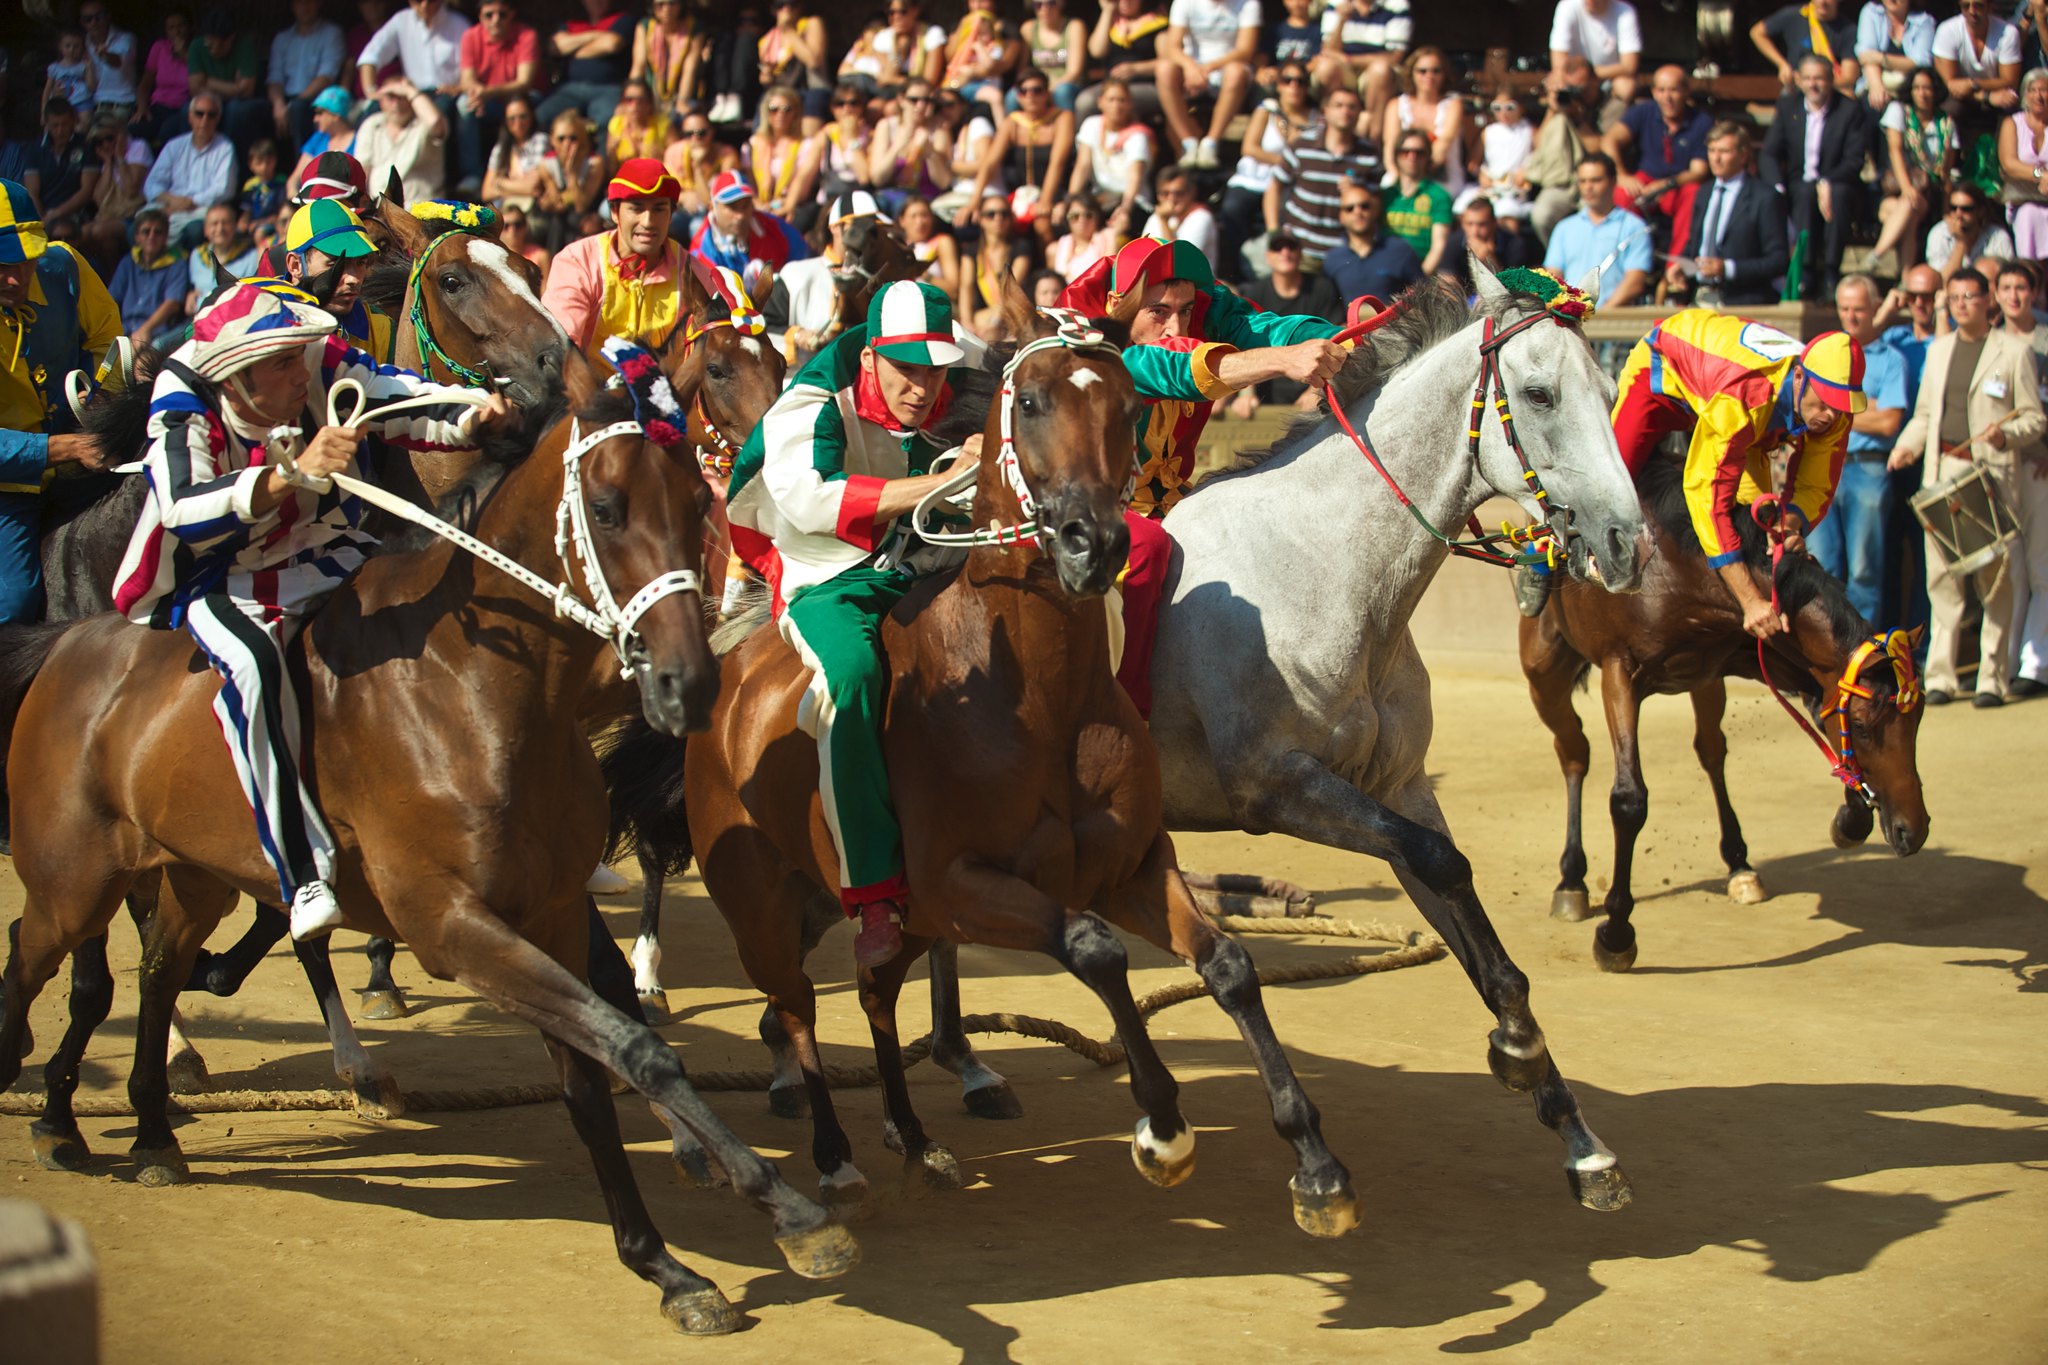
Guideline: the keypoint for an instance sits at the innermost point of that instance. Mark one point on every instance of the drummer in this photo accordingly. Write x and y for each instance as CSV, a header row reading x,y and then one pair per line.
x,y
1978,405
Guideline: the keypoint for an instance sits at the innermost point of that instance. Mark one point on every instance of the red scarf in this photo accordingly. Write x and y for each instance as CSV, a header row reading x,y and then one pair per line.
x,y
869,406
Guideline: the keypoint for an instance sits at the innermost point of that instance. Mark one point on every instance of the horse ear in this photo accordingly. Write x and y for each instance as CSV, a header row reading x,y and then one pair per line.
x,y
407,231
394,189
1021,321
580,380
1492,293
696,293
1590,285
223,278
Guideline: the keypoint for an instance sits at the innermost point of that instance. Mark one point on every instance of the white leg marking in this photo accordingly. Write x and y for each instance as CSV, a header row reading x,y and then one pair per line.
x,y
847,1176
646,965
498,260
1593,1157
975,1076
1169,1154
1524,1051
178,1042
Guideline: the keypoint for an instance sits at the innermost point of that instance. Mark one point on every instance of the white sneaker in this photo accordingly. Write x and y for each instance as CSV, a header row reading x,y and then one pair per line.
x,y
315,913
725,109
605,882
1188,148
1208,156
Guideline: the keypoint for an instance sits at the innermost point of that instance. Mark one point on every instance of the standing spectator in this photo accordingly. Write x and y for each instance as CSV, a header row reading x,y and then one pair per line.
x,y
1180,215
1849,541
1419,209
1607,36
224,252
1967,232
909,48
1819,27
1056,46
1363,43
1087,240
639,128
669,54
626,282
305,59
1480,234
1113,155
1434,114
1978,397
1303,197
915,155
113,55
165,83
2028,566
228,65
332,131
785,172
735,232
1602,238
1290,290
408,135
1978,56
1275,123
427,41
1667,140
695,159
1368,259
500,61
71,77
1565,135
1505,146
193,170
1125,46
149,283
1893,40
1737,231
1814,155
1921,146
1209,45
792,54
2023,157
71,174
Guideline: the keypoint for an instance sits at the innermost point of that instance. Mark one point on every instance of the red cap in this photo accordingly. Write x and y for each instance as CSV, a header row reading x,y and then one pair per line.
x,y
642,177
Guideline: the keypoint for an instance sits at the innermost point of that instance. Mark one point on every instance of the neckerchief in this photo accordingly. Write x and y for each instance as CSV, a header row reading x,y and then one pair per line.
x,y
169,257
1816,34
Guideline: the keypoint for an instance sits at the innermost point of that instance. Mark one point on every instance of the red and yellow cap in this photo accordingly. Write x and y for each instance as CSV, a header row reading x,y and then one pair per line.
x,y
642,177
1834,366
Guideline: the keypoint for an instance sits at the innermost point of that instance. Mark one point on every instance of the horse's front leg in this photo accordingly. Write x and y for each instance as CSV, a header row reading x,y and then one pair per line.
x,y
1552,668
1614,943
380,997
376,1091
1710,742
647,944
983,1089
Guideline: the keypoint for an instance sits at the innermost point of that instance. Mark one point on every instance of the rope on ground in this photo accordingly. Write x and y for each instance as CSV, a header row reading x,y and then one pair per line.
x,y
1414,950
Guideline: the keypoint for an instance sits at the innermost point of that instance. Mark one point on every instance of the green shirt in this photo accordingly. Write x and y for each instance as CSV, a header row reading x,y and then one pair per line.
x,y
241,61
1412,216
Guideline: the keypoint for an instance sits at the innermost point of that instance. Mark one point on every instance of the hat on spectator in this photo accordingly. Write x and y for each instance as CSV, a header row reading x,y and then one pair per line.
x,y
331,226
911,323
856,204
1834,366
21,226
642,177
335,175
729,187
245,324
333,100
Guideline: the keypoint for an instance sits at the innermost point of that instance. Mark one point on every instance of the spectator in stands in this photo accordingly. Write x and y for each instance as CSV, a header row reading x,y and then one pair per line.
x,y
1304,196
408,135
1921,146
981,55
193,170
695,159
933,245
1566,135
1418,208
263,191
2023,157
1978,56
1432,113
331,131
371,16
1481,233
1295,36
981,276
500,60
516,232
1893,40
1277,121
2017,289
628,281
1287,288
1181,216
916,154
149,283
792,55
517,168
1089,240
1819,27
1911,317
112,52
1968,230
71,78
71,174
785,173
19,161
1819,169
577,177
733,65
165,83
1125,46
228,66
1363,42
1209,46
1368,259
1850,541
969,134
1045,288
669,53
734,232
226,251
1055,46
124,161
1607,36
1666,139
1602,238
840,149
304,60
638,128
596,52
909,48
426,39
1113,156
1030,153
1505,145
1737,231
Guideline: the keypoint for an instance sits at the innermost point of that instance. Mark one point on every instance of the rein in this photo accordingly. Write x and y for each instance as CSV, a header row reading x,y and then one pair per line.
x,y
422,331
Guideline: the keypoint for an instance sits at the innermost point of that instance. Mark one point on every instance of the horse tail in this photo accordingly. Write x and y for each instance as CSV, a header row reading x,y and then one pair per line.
x,y
23,652
643,775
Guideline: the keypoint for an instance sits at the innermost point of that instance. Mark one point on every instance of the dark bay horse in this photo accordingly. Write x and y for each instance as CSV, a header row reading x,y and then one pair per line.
x,y
1024,777
444,704
1683,633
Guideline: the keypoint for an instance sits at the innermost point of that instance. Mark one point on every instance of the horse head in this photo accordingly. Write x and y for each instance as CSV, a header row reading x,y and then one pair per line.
x,y
725,373
874,253
1555,402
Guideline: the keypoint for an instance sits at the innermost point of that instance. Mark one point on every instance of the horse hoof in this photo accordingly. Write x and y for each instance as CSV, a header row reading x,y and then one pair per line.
x,y
1571,904
1605,1191
939,1167
1325,1215
845,1194
823,1253
1746,888
1612,960
161,1167
59,1151
654,1005
186,1072
701,1313
1519,1074
993,1102
380,1099
382,1005
1165,1164
1846,833
788,1102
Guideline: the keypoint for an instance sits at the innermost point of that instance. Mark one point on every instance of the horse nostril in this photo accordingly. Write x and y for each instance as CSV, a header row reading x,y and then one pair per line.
x,y
1076,538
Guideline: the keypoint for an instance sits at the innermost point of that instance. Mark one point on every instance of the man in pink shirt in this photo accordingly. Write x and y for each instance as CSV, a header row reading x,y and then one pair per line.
x,y
626,282
500,59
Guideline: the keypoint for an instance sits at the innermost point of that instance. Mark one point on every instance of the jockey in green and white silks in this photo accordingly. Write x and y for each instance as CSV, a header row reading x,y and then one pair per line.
x,y
829,473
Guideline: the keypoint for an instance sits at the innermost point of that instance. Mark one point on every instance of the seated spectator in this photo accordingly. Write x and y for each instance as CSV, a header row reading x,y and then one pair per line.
x,y
1045,288
1291,289
263,192
1978,56
980,306
980,56
909,48
577,177
669,53
305,59
1821,177
1819,27
1180,215
595,53
970,135
71,79
735,232
1911,315
20,161
732,65
112,52
371,16
124,161
500,60
408,135
1209,47
1418,208
1368,260
1666,140
193,170
1562,139
227,65
1056,47
1921,146
1606,36
2023,157
515,230
1893,40
165,83
862,67
792,55
1363,44
149,283
71,174
785,169
1968,230
226,254
1296,35
1737,232
1089,239
1505,146
1113,155
639,128
1029,155
1124,46
1602,237
914,154
1432,113
1289,114
695,159
932,244
1303,197
1481,234
628,281
426,39
840,148
518,164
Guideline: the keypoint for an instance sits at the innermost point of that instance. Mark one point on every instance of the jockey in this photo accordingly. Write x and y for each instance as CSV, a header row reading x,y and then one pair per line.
x,y
626,282
1743,392
333,175
1192,342
55,317
839,459
734,232
232,552
327,253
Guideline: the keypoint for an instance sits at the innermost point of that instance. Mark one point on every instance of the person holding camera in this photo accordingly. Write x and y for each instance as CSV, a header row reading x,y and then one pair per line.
x,y
1562,141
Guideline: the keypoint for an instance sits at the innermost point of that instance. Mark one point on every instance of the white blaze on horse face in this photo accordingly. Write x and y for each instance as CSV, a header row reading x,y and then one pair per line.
x,y
753,347
497,259
1081,377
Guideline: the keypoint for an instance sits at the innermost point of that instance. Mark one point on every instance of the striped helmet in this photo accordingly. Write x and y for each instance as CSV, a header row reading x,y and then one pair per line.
x,y
247,323
911,323
21,227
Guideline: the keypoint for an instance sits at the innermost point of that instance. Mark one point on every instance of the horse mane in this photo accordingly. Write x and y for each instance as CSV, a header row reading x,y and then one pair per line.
x,y
500,452
384,287
1800,581
120,419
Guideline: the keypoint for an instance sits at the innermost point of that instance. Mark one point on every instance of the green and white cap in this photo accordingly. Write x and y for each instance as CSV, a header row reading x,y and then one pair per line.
x,y
911,323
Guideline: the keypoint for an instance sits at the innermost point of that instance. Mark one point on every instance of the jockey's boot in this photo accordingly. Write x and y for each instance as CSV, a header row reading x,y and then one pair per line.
x,y
1532,589
315,912
881,934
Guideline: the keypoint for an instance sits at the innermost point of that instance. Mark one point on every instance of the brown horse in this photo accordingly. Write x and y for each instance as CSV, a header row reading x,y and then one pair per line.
x,y
444,702
1683,633
1025,780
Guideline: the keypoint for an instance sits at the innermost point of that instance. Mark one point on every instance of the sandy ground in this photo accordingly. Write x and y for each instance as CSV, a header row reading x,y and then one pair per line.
x,y
1831,1104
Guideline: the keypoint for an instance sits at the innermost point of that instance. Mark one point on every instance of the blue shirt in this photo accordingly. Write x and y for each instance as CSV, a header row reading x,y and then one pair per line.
x,y
1874,34
138,292
1385,271
1884,384
1659,151
1899,336
1577,245
297,59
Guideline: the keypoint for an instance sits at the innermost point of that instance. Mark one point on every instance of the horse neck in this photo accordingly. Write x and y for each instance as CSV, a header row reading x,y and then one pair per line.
x,y
1821,658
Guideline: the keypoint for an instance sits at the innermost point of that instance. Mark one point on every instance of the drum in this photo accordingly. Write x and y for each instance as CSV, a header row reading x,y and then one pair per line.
x,y
1965,516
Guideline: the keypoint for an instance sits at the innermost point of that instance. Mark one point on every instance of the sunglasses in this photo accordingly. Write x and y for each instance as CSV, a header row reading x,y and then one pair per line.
x,y
1413,151
1962,208
1920,295
1030,90
1294,80
564,139
993,215
853,103
775,109
1360,207
917,99
696,134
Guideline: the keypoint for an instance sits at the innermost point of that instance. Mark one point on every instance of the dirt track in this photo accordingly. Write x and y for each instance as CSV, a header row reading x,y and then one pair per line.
x,y
1832,1107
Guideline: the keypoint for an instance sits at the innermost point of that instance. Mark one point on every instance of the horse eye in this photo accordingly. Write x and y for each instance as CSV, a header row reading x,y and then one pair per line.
x,y
1027,404
1539,396
605,512
450,281
714,370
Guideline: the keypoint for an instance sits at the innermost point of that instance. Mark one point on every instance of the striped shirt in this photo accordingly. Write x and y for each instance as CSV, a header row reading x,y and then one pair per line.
x,y
1385,26
1311,178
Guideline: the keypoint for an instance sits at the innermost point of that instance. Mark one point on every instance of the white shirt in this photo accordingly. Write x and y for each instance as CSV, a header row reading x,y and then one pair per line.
x,y
1198,226
383,147
110,88
1715,225
1114,158
2001,47
1212,26
1816,124
430,54
1602,39
912,67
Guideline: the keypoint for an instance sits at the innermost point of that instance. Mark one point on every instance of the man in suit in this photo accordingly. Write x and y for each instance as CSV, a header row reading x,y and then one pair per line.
x,y
1814,155
1978,405
1737,229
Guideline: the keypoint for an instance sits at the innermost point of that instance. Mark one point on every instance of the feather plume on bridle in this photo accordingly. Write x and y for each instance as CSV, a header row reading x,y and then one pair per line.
x,y
654,402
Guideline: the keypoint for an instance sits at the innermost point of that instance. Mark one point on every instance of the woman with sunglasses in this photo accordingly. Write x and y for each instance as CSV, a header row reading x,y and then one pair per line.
x,y
1029,155
1289,113
1431,110
784,165
1921,141
577,176
981,281
515,231
931,244
638,127
124,161
695,159
912,148
1089,239
841,146
669,55
1055,46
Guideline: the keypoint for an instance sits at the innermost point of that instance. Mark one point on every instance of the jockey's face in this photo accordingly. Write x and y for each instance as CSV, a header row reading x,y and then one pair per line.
x,y
1165,311
336,281
276,386
1820,419
908,391
643,224
14,278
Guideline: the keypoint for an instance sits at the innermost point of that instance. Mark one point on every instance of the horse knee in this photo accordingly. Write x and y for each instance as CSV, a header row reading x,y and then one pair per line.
x,y
1436,860
1629,806
1090,950
1230,976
